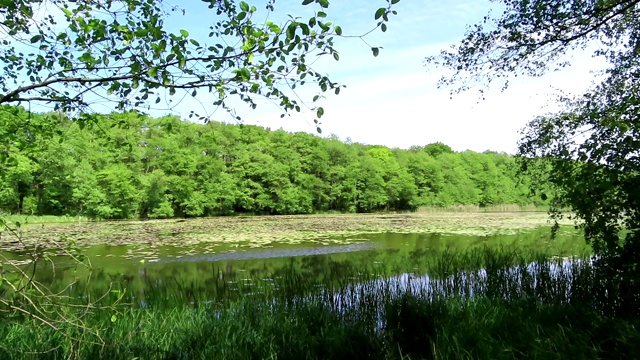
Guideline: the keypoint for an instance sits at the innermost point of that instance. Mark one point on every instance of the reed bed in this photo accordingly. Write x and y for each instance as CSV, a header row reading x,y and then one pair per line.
x,y
506,208
476,304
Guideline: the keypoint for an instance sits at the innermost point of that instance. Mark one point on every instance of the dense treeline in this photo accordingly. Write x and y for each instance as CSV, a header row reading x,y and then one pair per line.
x,y
127,165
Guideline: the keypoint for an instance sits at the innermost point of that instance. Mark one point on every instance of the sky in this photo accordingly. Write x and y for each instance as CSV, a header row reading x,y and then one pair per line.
x,y
393,99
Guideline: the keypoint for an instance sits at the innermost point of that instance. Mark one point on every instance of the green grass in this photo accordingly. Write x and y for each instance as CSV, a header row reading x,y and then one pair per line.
x,y
25,220
480,209
416,327
478,304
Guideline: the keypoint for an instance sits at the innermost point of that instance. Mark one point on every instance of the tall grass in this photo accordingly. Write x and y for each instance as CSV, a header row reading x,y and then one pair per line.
x,y
477,304
43,219
478,208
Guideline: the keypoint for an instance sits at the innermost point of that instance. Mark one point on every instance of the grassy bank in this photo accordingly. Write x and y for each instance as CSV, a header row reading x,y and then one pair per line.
x,y
415,328
480,209
480,304
31,220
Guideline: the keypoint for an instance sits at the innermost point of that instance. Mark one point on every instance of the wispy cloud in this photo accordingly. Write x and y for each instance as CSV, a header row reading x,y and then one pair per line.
x,y
393,100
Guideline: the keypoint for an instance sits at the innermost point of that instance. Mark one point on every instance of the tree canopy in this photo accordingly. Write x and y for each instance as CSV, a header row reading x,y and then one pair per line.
x,y
592,146
128,165
69,55
531,37
75,53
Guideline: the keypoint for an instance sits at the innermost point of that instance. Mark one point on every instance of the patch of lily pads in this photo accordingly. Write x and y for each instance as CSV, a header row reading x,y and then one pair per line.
x,y
151,239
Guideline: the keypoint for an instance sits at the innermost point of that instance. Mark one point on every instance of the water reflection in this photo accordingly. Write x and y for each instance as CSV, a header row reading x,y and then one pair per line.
x,y
191,274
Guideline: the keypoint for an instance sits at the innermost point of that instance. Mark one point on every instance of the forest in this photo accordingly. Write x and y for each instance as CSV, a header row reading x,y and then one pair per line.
x,y
129,165
73,143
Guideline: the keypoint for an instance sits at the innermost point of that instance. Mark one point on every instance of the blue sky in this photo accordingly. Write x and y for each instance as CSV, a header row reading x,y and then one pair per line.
x,y
393,99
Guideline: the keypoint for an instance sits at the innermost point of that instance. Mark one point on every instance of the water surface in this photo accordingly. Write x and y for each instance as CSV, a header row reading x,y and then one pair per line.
x,y
207,267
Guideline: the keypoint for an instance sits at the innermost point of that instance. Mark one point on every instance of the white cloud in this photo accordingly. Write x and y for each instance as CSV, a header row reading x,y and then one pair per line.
x,y
393,100
400,109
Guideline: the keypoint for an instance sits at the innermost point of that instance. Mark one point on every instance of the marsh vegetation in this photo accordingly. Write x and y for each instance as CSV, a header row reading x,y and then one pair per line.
x,y
401,286
418,286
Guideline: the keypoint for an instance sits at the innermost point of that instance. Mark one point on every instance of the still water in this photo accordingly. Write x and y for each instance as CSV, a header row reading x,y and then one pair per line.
x,y
197,272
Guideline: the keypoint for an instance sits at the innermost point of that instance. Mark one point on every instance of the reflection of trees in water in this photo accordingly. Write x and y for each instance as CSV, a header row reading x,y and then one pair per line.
x,y
324,268
197,281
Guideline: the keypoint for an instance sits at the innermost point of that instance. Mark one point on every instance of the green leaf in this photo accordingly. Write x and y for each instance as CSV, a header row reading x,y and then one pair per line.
x,y
305,29
114,318
321,14
241,16
375,51
320,112
307,2
245,74
383,27
380,12
291,31
336,56
324,3
393,2
184,33
338,30
244,6
36,38
152,72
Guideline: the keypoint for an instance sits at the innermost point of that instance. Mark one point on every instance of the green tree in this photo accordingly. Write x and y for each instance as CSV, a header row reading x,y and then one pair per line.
x,y
85,52
222,194
592,146
22,136
17,182
340,183
124,51
118,184
174,168
88,197
531,37
428,177
370,194
155,199
437,148
458,186
399,184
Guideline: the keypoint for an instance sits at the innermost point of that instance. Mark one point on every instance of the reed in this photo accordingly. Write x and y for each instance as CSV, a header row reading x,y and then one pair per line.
x,y
477,208
486,303
24,219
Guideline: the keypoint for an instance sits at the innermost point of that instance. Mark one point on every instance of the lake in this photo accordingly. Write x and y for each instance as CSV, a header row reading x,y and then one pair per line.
x,y
213,259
